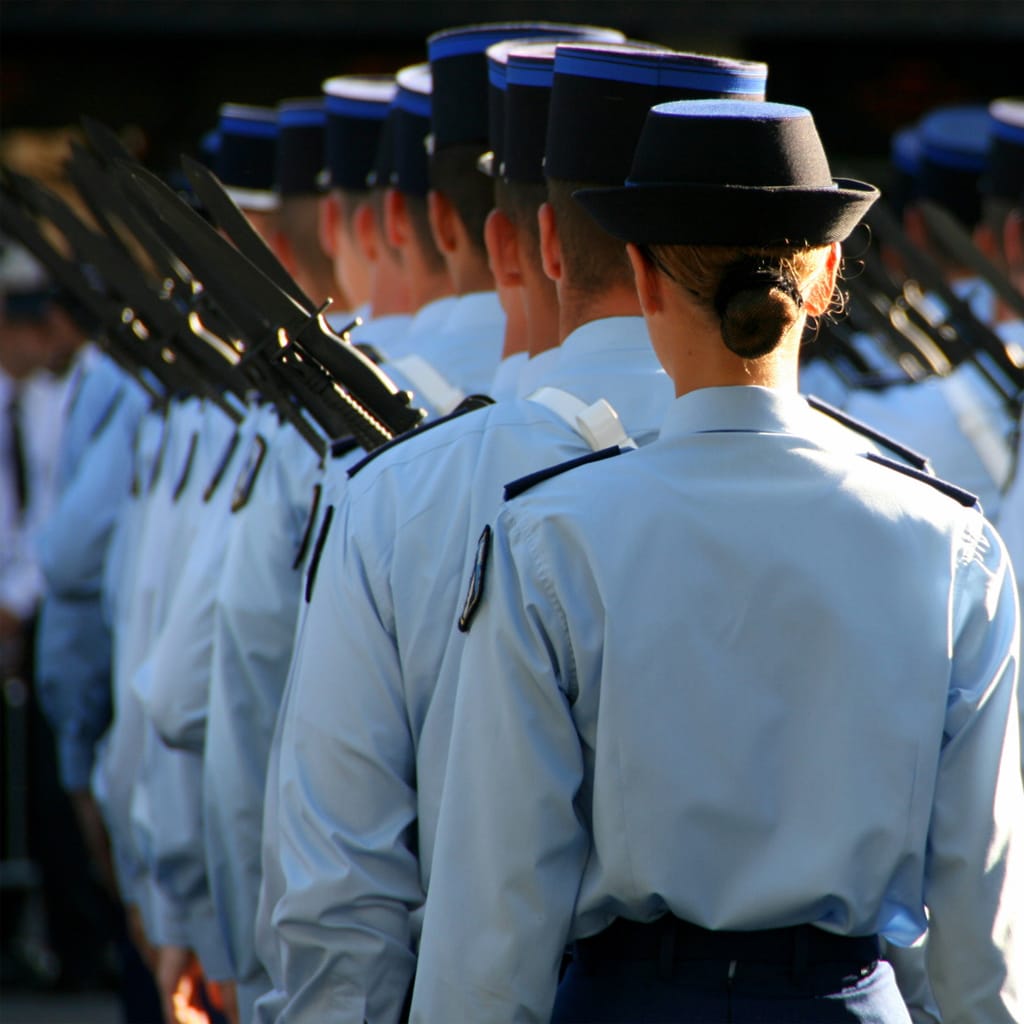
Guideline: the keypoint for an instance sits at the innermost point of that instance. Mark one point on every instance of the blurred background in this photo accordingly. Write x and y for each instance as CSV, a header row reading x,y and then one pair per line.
x,y
866,67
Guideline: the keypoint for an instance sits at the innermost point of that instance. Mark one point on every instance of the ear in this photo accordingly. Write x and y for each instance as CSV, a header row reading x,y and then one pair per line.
x,y
648,281
550,242
327,224
442,221
915,228
397,229
367,231
819,299
283,250
502,242
985,241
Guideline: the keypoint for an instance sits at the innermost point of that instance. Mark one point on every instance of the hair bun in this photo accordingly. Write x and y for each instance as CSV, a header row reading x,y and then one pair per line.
x,y
753,318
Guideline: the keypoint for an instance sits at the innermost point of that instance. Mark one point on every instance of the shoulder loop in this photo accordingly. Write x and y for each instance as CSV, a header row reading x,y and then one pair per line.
x,y
524,483
186,470
912,458
469,404
958,494
307,533
246,479
371,352
342,446
318,550
108,413
222,466
476,581
598,423
430,383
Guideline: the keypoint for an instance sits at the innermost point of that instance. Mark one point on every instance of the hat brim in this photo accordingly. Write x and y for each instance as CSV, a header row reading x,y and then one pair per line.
x,y
669,213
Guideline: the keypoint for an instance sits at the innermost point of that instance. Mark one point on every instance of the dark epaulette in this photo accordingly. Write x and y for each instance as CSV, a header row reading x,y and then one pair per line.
x,y
469,404
107,414
318,550
307,533
371,352
958,494
186,470
342,446
912,458
524,483
222,467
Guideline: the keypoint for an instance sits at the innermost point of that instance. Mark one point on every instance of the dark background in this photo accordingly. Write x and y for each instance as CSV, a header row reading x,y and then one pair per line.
x,y
865,67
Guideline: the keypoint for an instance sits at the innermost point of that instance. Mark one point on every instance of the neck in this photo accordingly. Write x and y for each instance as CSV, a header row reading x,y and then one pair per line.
x,y
469,272
517,335
389,290
576,308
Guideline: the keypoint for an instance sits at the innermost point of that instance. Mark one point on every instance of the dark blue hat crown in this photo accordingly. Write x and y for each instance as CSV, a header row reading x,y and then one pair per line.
x,y
954,147
730,172
406,132
601,94
302,127
1005,176
247,154
356,108
459,65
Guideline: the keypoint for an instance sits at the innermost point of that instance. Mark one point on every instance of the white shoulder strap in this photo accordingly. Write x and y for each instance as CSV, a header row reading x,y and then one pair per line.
x,y
974,420
598,424
426,381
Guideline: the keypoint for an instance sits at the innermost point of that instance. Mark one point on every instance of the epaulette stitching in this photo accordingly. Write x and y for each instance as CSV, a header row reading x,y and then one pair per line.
x,y
520,486
958,494
914,458
468,404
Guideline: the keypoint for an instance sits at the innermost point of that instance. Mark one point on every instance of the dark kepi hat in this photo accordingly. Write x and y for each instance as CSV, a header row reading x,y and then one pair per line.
x,y
302,126
407,131
247,154
356,107
1005,176
601,94
954,148
498,58
730,172
528,80
459,66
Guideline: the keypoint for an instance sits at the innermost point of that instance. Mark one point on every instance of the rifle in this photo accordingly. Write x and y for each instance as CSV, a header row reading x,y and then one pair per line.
x,y
956,321
355,397
208,369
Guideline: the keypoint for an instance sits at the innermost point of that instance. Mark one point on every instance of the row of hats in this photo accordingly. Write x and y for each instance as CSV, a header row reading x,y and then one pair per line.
x,y
487,86
955,155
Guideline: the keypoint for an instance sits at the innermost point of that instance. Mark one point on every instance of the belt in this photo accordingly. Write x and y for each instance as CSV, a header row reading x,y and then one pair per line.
x,y
670,940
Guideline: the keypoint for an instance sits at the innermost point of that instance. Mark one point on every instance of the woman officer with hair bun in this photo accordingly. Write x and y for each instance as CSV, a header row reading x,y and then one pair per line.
x,y
738,704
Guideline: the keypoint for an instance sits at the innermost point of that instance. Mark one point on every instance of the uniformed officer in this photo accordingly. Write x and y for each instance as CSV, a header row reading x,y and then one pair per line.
x,y
737,703
352,798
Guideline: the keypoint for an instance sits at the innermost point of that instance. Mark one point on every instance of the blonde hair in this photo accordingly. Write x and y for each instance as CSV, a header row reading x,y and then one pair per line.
x,y
757,293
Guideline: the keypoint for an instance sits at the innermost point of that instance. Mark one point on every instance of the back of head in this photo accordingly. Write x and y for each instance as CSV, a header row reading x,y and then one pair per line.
x,y
600,97
734,202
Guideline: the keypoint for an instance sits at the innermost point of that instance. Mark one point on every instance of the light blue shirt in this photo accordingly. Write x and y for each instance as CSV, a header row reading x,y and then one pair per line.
x,y
364,728
742,678
254,618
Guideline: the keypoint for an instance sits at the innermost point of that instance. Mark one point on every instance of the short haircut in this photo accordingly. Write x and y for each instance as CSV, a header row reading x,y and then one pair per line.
x,y
454,172
593,259
419,218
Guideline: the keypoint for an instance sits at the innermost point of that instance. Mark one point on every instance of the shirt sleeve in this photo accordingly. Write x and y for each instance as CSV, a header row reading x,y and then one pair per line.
x,y
974,875
511,848
346,802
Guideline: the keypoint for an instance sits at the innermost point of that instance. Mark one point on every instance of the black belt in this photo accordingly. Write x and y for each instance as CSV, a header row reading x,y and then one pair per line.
x,y
670,940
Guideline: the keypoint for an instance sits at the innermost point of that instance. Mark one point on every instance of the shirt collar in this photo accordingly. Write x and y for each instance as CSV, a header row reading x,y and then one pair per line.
x,y
474,310
742,408
609,333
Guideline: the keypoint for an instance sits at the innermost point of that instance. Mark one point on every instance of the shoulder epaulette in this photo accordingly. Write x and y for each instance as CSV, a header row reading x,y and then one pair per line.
x,y
186,470
222,467
524,483
468,404
371,352
342,446
318,550
246,479
958,494
912,458
307,533
107,415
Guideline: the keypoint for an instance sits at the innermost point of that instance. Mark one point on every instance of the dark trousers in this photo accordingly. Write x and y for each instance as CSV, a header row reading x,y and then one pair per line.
x,y
664,972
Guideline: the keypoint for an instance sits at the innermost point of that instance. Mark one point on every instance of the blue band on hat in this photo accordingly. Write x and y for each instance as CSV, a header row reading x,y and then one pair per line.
x,y
243,126
957,159
302,117
496,74
636,69
413,102
535,73
461,43
345,106
1010,132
